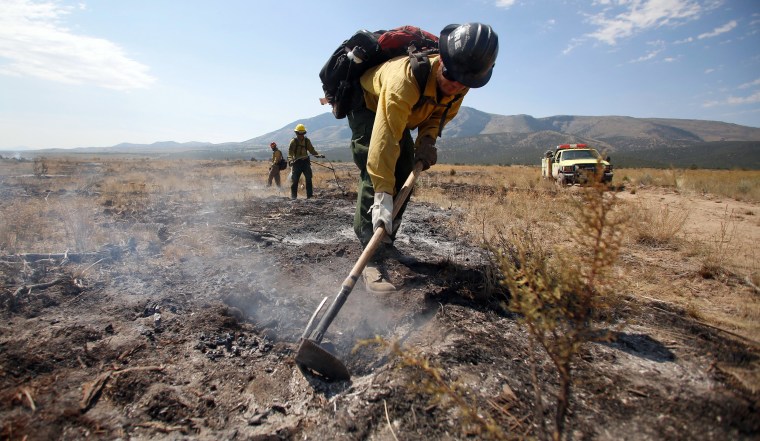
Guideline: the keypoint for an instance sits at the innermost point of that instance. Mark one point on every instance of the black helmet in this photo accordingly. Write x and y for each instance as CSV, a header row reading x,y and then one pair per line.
x,y
469,52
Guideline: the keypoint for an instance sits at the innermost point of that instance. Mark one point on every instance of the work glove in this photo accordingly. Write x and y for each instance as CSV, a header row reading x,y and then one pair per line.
x,y
426,152
382,212
319,156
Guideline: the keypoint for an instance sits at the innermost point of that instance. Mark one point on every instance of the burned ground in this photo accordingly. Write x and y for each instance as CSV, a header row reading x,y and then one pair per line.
x,y
146,340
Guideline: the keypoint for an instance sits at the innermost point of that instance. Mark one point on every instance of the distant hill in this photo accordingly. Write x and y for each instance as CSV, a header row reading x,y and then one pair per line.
x,y
716,154
476,137
163,146
617,132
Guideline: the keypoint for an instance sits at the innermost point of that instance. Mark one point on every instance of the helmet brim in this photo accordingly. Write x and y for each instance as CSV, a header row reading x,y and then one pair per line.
x,y
473,81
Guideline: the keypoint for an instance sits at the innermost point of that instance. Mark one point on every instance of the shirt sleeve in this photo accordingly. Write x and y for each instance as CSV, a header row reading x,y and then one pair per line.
x,y
292,149
310,147
397,92
433,124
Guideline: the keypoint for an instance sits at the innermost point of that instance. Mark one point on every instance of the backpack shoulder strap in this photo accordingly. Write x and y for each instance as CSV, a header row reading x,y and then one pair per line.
x,y
420,64
446,112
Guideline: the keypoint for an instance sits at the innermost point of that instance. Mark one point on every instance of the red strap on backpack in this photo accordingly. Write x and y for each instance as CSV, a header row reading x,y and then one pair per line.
x,y
402,36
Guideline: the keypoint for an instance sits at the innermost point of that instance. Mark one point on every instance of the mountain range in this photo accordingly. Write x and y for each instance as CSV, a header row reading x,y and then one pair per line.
x,y
476,137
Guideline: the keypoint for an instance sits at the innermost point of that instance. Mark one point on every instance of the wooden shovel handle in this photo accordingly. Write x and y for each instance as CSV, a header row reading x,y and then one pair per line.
x,y
369,251
377,237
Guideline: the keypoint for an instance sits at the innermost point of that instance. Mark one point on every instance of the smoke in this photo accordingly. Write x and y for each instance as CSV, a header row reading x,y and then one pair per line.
x,y
204,232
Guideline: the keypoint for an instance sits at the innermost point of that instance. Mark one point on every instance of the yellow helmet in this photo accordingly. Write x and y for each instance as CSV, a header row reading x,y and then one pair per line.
x,y
300,128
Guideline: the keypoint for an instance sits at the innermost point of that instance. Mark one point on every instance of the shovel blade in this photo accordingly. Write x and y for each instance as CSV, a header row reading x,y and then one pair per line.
x,y
313,357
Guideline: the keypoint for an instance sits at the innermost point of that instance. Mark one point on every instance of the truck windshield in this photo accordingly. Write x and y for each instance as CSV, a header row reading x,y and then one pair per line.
x,y
569,155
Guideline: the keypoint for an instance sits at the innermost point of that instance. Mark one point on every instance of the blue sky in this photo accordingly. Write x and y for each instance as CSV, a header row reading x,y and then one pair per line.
x,y
102,72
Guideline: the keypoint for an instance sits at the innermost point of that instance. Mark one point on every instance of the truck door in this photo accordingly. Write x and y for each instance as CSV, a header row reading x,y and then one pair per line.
x,y
555,164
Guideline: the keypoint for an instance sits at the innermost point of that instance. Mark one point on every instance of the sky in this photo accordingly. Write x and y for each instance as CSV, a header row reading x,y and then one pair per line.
x,y
96,73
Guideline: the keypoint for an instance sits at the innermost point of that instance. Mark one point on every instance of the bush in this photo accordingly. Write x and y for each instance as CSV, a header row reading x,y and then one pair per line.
x,y
40,166
560,296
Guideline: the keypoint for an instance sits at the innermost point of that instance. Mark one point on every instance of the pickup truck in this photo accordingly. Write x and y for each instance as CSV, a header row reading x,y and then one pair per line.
x,y
570,164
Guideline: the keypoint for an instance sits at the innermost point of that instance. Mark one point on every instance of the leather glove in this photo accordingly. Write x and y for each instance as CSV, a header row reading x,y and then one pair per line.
x,y
382,212
319,156
426,152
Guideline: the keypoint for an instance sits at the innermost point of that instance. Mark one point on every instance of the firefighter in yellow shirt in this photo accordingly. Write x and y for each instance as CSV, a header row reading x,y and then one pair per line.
x,y
274,168
298,158
393,106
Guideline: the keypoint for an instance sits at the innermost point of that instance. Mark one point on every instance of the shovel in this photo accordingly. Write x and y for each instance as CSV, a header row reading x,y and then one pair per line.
x,y
310,354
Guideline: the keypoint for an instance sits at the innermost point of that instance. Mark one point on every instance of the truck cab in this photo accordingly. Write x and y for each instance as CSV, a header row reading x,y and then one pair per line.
x,y
570,164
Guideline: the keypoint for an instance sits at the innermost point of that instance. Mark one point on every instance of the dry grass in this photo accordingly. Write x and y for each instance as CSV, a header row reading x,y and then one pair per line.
x,y
658,225
59,211
427,378
491,199
741,185
509,199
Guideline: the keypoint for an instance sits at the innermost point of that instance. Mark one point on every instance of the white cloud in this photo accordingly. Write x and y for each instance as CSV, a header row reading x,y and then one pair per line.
x,y
658,44
506,4
575,42
646,57
752,99
641,15
709,71
735,100
35,43
750,84
719,30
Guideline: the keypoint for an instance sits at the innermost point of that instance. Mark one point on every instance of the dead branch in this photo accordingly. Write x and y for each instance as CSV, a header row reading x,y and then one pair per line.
x,y
131,351
81,273
91,391
744,339
253,234
39,286
138,368
26,393
387,418
161,427
108,252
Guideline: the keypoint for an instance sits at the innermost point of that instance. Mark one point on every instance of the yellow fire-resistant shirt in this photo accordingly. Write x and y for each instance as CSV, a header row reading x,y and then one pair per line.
x,y
300,149
276,156
391,91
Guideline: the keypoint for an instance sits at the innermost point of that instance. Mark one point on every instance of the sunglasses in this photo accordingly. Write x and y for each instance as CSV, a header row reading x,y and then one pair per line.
x,y
300,133
447,74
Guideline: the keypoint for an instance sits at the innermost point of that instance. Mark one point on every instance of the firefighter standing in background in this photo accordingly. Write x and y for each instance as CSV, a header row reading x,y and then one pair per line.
x,y
298,158
274,168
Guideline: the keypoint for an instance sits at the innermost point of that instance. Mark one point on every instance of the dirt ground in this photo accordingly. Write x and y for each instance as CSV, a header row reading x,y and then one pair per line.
x,y
141,341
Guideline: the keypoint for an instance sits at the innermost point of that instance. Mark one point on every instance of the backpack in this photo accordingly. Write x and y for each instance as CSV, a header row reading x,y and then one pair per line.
x,y
283,164
364,50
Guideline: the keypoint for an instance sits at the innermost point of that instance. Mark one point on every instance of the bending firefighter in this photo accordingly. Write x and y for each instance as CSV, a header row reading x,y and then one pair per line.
x,y
274,168
298,158
381,140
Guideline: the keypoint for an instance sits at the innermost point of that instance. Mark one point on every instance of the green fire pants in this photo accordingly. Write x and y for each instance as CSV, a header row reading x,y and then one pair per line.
x,y
361,122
